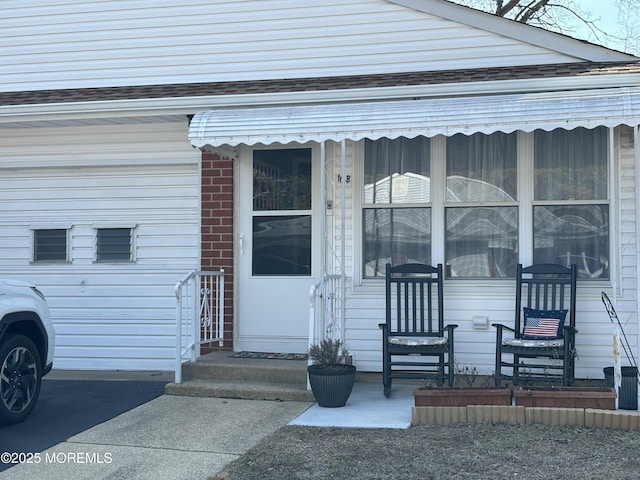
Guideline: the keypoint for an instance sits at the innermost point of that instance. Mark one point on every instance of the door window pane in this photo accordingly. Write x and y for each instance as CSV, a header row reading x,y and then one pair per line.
x,y
281,245
481,241
282,179
567,234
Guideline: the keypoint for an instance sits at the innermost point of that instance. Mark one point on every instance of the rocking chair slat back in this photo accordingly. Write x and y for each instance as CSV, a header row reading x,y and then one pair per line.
x,y
545,287
414,305
415,342
549,289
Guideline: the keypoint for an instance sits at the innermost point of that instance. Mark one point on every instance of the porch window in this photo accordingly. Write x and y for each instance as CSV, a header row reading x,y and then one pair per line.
x,y
397,203
50,245
481,210
492,195
113,244
571,208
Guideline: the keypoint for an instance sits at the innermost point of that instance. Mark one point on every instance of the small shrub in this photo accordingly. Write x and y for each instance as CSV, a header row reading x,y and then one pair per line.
x,y
328,352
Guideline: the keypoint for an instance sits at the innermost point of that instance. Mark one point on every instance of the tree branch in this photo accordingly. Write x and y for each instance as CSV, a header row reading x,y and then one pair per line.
x,y
503,10
530,10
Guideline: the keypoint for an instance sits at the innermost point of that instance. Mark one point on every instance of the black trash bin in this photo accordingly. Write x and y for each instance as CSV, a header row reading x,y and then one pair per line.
x,y
628,392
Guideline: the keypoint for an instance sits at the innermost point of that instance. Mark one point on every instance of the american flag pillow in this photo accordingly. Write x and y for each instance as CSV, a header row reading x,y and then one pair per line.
x,y
543,324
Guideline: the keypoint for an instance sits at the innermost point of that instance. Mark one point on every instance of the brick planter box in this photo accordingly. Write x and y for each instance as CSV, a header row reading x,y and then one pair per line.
x,y
566,397
580,417
461,397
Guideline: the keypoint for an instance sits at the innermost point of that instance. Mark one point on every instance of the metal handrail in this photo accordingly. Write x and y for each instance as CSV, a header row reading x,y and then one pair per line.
x,y
199,314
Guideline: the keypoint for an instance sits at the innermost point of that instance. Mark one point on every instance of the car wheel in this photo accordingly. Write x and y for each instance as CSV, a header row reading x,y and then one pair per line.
x,y
20,378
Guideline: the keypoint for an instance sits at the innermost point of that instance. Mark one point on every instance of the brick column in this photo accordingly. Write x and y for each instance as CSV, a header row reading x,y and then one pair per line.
x,y
217,231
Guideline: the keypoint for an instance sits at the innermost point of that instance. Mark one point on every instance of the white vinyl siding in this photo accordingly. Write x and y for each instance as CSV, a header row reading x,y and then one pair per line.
x,y
107,315
71,44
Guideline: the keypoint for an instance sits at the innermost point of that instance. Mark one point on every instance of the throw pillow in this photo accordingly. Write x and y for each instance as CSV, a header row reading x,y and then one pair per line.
x,y
543,324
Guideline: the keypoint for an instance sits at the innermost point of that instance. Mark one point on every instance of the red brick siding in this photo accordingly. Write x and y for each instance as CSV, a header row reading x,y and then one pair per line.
x,y
217,231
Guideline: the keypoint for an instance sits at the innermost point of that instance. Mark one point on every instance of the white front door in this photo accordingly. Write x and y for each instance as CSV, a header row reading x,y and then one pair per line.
x,y
278,244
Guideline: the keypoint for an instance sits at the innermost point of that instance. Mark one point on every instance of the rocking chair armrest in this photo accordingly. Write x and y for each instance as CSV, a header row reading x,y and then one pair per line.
x,y
450,328
382,326
501,327
569,330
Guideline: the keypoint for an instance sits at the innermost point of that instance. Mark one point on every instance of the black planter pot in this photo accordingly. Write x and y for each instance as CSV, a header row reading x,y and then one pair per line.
x,y
628,392
331,386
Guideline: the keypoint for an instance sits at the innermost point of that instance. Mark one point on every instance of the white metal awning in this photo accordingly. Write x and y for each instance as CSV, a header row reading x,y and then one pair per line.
x,y
410,118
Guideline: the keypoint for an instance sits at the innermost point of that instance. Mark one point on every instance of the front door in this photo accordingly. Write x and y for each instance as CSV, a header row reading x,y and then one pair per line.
x,y
277,248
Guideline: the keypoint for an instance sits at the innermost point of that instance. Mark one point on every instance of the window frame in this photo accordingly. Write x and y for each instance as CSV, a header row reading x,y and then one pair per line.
x,y
67,247
359,152
610,171
482,204
132,243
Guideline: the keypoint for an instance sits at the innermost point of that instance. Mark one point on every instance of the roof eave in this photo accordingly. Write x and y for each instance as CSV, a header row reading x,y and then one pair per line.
x,y
85,111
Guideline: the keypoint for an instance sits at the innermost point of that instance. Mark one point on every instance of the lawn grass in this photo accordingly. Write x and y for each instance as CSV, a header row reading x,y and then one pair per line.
x,y
478,451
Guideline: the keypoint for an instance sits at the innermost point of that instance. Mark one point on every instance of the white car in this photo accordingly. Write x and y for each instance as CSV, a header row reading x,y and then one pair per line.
x,y
27,340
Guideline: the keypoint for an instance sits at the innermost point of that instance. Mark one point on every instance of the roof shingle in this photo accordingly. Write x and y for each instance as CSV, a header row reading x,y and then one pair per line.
x,y
316,84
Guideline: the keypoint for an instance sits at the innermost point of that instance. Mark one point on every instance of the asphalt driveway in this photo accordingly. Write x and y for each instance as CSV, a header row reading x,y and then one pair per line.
x,y
68,407
177,437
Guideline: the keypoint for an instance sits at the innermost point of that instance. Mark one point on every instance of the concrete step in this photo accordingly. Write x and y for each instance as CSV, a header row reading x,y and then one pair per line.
x,y
240,389
220,375
221,366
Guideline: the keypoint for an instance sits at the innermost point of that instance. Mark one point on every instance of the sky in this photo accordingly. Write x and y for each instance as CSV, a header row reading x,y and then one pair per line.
x,y
604,14
606,10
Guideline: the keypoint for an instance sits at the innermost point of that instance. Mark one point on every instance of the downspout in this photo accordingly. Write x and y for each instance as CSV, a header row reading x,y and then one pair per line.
x,y
615,226
636,163
343,210
324,238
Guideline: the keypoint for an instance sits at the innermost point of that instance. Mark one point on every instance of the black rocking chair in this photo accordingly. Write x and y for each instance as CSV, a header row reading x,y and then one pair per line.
x,y
414,326
542,341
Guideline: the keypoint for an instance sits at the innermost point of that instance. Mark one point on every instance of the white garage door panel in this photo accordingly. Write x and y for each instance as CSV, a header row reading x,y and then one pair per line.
x,y
107,316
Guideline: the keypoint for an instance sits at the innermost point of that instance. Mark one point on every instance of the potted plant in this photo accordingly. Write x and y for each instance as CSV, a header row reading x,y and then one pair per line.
x,y
470,389
330,377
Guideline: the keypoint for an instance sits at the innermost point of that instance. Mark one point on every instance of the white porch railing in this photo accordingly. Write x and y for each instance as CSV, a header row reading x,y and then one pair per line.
x,y
326,309
199,315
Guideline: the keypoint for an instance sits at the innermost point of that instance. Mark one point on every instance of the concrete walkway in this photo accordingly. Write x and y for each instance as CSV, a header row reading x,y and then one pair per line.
x,y
174,437
167,438
367,407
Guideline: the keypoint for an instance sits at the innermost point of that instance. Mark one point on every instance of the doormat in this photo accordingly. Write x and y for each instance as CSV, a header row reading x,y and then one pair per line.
x,y
270,356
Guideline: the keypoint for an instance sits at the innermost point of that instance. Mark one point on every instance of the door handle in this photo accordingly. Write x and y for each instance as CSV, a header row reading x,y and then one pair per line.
x,y
241,244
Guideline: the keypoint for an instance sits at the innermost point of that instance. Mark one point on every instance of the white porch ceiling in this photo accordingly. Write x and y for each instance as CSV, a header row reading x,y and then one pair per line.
x,y
409,118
